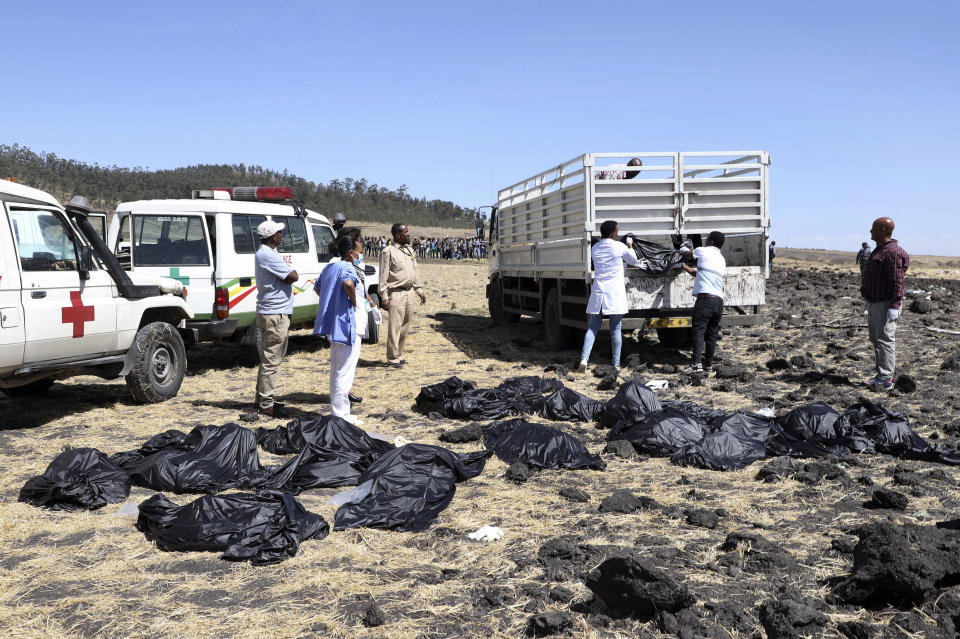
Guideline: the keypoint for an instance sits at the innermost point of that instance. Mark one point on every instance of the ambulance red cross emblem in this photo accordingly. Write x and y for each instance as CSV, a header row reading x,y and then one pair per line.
x,y
76,314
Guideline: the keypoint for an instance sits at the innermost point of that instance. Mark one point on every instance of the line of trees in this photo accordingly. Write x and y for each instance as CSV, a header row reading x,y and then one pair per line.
x,y
107,186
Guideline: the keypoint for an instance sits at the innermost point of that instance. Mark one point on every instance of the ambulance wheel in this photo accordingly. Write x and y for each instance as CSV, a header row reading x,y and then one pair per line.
x,y
38,387
373,329
258,341
159,363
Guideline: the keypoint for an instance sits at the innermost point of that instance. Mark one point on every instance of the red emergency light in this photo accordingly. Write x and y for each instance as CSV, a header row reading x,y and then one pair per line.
x,y
257,193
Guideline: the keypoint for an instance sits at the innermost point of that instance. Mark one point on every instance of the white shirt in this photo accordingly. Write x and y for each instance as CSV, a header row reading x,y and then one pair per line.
x,y
609,293
710,269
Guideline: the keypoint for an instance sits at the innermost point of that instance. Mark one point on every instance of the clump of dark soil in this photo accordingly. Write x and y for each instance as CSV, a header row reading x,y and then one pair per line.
x,y
632,586
788,615
900,565
544,624
472,432
624,501
756,554
704,518
886,498
922,307
621,448
810,473
905,384
518,472
951,363
575,494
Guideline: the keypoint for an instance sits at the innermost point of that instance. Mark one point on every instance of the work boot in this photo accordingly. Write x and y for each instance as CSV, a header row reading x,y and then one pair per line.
x,y
354,399
582,368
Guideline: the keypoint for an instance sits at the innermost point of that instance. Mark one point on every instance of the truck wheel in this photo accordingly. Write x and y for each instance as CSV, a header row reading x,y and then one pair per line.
x,y
559,337
373,336
495,305
159,363
38,387
675,337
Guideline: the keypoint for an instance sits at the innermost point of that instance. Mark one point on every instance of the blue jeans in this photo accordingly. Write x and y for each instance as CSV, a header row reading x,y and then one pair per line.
x,y
593,327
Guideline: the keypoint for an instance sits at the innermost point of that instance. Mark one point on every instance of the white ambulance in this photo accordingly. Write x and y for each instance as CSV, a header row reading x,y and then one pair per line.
x,y
208,243
68,308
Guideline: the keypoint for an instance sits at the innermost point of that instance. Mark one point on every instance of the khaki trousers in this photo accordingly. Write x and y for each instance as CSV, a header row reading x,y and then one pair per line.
x,y
273,338
402,304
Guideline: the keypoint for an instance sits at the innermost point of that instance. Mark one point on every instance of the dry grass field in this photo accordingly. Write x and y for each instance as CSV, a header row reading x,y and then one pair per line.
x,y
92,574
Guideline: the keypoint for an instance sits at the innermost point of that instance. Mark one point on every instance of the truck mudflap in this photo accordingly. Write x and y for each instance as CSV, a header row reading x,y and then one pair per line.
x,y
728,319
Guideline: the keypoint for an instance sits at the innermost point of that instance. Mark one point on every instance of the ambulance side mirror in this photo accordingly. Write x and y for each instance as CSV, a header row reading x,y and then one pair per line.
x,y
86,262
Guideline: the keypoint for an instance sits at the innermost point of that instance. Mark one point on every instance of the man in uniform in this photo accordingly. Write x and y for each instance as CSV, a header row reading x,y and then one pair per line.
x,y
399,280
274,306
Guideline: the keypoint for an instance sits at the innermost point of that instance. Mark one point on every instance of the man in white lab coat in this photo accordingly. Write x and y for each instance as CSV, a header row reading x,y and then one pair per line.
x,y
609,294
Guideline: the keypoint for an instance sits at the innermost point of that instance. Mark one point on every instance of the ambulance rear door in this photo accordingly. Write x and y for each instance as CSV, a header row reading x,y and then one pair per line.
x,y
173,245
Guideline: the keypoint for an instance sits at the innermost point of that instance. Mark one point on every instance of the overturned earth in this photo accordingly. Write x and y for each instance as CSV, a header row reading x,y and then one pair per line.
x,y
847,546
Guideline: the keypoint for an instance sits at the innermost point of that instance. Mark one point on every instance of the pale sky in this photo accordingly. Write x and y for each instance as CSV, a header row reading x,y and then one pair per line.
x,y
855,101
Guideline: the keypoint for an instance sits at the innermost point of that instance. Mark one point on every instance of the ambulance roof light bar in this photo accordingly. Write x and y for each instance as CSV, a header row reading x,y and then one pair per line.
x,y
248,193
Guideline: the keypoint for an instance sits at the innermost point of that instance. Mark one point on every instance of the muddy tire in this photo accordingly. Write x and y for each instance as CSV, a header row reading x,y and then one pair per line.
x,y
675,337
559,337
32,389
159,363
373,335
495,305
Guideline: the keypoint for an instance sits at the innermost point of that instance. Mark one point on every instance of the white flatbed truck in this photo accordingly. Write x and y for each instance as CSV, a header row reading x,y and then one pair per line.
x,y
543,227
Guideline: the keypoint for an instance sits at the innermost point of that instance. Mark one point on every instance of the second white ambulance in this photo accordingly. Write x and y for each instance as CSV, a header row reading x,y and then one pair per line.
x,y
208,243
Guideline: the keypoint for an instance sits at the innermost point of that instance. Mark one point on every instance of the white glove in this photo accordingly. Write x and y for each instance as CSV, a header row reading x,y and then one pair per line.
x,y
893,314
866,308
487,533
686,247
644,264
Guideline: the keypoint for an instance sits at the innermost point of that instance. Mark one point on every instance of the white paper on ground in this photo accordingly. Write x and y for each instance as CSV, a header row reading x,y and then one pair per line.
x,y
486,533
352,495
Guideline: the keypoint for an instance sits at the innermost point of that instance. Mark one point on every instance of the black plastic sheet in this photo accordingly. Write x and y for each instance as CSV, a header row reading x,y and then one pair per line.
x,y
333,452
407,488
661,259
538,445
631,399
568,405
660,433
432,397
265,528
77,478
207,460
457,399
733,441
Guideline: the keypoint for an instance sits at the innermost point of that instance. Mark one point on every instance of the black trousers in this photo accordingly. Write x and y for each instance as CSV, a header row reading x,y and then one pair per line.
x,y
707,311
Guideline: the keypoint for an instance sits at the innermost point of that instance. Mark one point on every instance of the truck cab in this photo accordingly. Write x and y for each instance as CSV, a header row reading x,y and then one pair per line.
x,y
208,243
67,309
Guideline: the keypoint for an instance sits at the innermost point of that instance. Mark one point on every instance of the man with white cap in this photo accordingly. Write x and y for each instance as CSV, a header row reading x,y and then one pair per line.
x,y
274,306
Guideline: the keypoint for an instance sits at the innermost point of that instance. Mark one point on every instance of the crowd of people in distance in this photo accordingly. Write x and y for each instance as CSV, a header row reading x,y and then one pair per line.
x,y
437,248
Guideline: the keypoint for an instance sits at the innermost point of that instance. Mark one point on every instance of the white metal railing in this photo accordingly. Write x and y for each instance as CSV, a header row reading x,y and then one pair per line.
x,y
671,193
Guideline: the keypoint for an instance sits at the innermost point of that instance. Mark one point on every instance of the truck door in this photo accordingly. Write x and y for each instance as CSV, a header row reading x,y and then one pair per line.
x,y
64,316
11,309
176,246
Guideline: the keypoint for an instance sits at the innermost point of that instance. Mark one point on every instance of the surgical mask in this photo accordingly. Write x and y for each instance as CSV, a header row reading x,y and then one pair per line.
x,y
359,259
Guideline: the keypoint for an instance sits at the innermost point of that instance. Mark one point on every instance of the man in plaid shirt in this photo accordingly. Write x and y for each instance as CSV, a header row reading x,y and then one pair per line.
x,y
882,290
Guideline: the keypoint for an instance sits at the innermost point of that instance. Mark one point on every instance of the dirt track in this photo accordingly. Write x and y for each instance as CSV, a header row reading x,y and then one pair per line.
x,y
92,574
